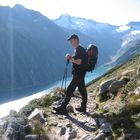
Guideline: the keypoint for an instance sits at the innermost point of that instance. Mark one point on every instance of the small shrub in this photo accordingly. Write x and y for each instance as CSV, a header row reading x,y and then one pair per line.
x,y
131,85
38,129
26,110
133,105
46,101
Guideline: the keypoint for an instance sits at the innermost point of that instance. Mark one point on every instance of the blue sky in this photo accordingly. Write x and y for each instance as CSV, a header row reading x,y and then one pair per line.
x,y
117,12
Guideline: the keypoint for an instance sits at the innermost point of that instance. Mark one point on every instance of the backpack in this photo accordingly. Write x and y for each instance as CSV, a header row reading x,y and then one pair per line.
x,y
92,55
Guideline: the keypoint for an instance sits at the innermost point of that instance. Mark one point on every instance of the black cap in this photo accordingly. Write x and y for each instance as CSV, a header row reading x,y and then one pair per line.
x,y
74,36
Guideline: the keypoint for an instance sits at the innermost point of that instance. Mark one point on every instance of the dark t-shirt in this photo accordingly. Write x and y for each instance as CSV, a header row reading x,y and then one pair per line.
x,y
80,53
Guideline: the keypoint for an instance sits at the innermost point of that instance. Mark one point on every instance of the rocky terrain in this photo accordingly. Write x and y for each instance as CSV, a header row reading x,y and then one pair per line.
x,y
113,111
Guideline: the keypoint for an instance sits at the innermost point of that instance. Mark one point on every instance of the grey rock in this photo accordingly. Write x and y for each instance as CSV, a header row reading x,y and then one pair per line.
x,y
95,115
37,115
93,122
106,128
13,113
15,129
101,121
3,124
114,87
32,137
62,130
60,125
83,121
28,129
70,109
87,137
109,138
106,108
72,134
104,87
100,136
137,91
69,125
54,123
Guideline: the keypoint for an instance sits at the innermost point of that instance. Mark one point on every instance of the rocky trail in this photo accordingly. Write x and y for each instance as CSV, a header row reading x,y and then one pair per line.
x,y
80,126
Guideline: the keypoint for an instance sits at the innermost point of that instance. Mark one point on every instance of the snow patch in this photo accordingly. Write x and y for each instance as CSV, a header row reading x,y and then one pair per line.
x,y
123,28
135,32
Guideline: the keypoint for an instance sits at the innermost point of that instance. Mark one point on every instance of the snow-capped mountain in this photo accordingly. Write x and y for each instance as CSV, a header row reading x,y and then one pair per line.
x,y
103,35
84,25
87,26
113,41
129,48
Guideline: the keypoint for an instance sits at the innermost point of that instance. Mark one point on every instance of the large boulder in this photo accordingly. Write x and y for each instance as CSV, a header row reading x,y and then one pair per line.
x,y
116,85
104,87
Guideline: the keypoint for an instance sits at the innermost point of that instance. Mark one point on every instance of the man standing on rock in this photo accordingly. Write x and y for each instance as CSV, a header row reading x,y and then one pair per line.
x,y
79,62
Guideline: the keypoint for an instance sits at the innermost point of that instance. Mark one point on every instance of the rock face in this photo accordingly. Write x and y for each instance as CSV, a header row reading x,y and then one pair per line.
x,y
18,127
15,129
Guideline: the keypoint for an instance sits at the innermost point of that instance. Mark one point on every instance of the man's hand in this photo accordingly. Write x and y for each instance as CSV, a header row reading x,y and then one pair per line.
x,y
68,57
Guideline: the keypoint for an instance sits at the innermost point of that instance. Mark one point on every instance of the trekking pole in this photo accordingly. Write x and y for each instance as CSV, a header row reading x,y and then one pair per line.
x,y
66,73
65,76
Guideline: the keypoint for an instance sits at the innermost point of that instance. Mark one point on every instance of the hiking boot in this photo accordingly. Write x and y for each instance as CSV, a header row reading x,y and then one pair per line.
x,y
60,110
81,109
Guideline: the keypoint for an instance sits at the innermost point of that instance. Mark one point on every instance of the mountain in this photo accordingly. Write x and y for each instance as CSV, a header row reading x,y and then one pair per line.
x,y
32,50
105,36
129,48
33,47
134,25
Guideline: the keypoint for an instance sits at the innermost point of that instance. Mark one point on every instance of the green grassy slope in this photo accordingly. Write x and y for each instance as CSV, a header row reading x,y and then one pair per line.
x,y
124,107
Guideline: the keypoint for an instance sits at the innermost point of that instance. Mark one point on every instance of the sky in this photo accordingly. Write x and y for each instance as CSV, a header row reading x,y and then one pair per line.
x,y
116,12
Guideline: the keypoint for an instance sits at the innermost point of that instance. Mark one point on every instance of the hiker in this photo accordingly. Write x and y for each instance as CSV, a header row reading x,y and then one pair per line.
x,y
79,62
